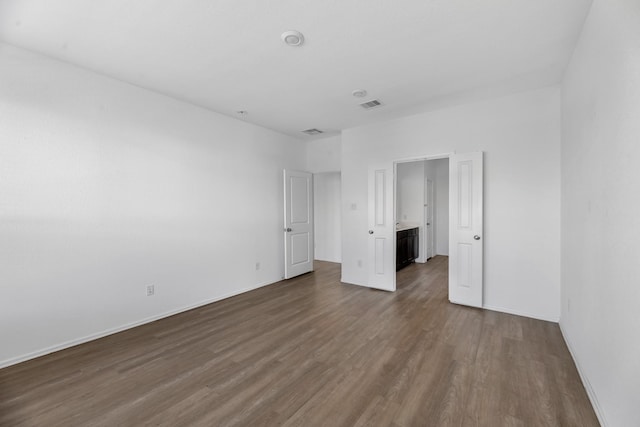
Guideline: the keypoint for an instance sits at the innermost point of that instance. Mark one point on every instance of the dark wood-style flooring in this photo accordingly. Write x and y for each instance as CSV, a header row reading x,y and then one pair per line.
x,y
311,352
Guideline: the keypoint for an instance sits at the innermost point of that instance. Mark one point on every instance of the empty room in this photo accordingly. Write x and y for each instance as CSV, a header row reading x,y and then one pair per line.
x,y
306,213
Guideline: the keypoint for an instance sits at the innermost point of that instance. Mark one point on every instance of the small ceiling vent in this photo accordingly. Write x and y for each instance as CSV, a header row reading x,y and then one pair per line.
x,y
371,104
313,131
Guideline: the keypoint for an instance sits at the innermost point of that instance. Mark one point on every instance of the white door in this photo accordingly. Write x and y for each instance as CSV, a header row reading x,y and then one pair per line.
x,y
298,223
382,228
465,229
429,229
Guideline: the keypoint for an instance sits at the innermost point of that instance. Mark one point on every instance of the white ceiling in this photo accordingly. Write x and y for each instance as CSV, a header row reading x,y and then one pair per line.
x,y
226,55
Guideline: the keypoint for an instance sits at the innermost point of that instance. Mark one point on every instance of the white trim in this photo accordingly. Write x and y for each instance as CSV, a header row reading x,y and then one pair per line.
x,y
421,158
585,381
519,313
85,339
328,260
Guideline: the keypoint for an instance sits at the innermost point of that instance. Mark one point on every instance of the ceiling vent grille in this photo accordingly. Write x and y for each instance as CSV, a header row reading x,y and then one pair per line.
x,y
371,104
313,131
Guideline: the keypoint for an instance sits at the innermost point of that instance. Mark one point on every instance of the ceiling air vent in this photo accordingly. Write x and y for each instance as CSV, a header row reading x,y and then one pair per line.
x,y
313,131
371,104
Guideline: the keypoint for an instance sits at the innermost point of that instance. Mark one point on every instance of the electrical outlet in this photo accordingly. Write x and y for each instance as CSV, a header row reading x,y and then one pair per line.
x,y
257,266
151,289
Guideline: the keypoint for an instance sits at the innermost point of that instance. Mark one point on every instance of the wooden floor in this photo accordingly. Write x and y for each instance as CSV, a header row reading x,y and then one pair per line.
x,y
311,352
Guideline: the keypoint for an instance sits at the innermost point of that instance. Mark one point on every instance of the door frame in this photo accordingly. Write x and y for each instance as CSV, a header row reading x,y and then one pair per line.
x,y
452,219
395,180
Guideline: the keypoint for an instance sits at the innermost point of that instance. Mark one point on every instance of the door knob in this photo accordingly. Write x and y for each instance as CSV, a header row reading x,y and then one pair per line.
x,y
370,231
476,237
288,229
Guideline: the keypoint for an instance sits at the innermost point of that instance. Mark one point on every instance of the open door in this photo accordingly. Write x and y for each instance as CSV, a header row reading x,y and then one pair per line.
x,y
298,223
429,229
382,228
465,229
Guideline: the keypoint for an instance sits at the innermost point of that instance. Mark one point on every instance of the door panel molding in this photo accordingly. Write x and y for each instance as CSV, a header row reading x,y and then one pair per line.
x,y
298,223
382,253
466,229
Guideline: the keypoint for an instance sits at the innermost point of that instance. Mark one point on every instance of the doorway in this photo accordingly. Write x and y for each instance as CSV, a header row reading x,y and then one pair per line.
x,y
422,203
465,224
327,216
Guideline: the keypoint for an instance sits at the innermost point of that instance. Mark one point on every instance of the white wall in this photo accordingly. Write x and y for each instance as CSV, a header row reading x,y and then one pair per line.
x,y
410,198
600,209
323,155
429,174
520,135
410,192
106,188
442,206
327,221
323,159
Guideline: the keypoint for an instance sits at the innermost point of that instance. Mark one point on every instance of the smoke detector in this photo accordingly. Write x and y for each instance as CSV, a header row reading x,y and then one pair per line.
x,y
313,131
292,38
359,93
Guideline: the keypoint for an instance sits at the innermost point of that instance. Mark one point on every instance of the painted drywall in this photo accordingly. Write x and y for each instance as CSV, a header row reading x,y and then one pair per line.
x,y
327,216
323,159
520,135
600,209
442,206
323,155
227,55
106,188
410,198
429,174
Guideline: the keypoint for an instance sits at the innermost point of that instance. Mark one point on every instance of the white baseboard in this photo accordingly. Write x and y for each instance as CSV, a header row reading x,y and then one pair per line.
x,y
521,313
74,342
585,381
336,261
